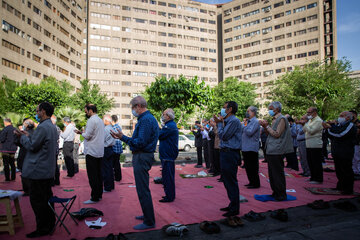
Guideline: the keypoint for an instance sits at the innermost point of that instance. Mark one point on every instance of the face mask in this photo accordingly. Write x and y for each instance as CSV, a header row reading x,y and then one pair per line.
x,y
341,120
37,118
196,127
162,118
23,127
207,125
271,113
223,112
247,115
310,117
134,113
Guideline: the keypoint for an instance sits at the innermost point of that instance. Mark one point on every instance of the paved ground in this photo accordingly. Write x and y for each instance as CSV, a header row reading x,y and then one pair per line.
x,y
304,223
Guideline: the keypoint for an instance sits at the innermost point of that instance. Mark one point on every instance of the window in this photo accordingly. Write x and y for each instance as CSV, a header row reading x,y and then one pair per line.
x,y
313,29
279,26
313,53
300,20
280,48
301,55
300,9
278,15
312,5
280,59
279,4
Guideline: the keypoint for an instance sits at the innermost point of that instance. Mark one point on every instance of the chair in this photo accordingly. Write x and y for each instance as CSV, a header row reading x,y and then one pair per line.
x,y
67,204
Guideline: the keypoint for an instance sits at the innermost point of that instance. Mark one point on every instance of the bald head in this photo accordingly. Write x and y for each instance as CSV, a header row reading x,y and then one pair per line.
x,y
168,115
138,101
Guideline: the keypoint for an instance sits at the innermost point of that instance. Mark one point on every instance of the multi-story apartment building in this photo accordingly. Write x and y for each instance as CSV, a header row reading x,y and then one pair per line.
x,y
123,45
130,42
40,38
263,39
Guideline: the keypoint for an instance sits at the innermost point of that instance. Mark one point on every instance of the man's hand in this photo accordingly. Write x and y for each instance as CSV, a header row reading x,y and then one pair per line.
x,y
326,125
218,119
264,123
19,133
302,122
77,131
117,135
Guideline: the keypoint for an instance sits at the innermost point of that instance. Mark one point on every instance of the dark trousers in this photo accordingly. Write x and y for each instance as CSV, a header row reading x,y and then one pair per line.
x,y
314,158
168,178
142,163
56,180
251,161
40,193
93,169
199,155
206,152
277,176
68,149
9,160
216,161
292,161
25,185
344,172
107,169
229,167
117,167
211,154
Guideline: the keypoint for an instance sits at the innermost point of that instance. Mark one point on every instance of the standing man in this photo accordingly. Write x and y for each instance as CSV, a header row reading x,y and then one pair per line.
x,y
57,168
39,168
117,148
205,137
302,148
278,143
107,167
229,130
343,135
68,135
313,139
8,149
198,144
94,151
250,147
291,158
143,145
356,159
168,151
215,167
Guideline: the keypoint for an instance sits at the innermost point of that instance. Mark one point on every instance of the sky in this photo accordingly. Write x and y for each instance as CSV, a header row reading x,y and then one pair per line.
x,y
348,29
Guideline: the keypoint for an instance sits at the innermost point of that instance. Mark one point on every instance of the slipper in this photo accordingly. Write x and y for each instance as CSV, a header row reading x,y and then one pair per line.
x,y
209,227
175,229
254,217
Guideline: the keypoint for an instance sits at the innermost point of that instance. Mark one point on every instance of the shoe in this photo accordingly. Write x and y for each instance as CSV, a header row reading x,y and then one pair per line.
x,y
315,182
254,216
143,226
253,187
231,213
225,209
215,174
209,227
198,166
233,222
36,234
165,200
139,217
280,215
319,204
175,229
90,202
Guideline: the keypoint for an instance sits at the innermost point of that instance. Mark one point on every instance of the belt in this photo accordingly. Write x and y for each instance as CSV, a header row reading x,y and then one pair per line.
x,y
229,150
136,152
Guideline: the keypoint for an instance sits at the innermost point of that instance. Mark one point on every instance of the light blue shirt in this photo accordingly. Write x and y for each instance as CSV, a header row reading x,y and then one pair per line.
x,y
300,133
109,141
251,135
94,137
230,134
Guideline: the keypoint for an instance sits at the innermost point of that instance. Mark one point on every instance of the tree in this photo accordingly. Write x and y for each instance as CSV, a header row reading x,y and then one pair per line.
x,y
77,116
91,94
321,84
16,118
183,95
27,96
231,89
7,88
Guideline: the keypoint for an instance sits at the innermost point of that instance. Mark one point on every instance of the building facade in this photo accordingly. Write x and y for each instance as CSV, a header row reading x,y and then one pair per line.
x,y
41,39
123,45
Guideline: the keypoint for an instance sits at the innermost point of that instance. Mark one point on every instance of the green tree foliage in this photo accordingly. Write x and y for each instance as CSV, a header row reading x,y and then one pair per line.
x,y
16,118
77,116
91,94
7,88
324,85
183,95
231,89
28,96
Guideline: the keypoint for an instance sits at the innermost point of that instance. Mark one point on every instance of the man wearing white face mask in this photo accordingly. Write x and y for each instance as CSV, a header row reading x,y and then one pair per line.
x,y
313,140
343,135
68,135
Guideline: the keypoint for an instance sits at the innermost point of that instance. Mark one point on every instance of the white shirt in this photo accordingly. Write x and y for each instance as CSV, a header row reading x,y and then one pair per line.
x,y
94,136
68,135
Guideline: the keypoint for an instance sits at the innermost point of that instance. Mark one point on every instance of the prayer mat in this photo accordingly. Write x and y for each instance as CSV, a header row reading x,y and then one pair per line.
x,y
326,191
268,197
293,175
193,176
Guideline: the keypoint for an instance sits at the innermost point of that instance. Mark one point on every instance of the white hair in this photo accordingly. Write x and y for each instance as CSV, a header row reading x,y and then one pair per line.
x,y
107,117
276,105
253,109
139,100
170,112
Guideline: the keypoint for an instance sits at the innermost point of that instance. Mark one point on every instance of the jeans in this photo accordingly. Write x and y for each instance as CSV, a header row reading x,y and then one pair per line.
x,y
229,167
142,163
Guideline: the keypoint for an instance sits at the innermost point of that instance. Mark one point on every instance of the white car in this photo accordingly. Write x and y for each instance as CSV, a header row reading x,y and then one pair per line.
x,y
185,143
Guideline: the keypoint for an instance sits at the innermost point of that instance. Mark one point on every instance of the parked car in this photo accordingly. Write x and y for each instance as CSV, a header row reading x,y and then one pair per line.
x,y
190,136
185,143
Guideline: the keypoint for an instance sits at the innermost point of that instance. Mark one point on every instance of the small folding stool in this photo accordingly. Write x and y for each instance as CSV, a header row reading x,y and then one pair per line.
x,y
67,204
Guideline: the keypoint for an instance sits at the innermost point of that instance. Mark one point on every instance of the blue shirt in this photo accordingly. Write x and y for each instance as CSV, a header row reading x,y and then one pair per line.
x,y
293,130
300,133
169,141
251,135
146,134
117,148
230,134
